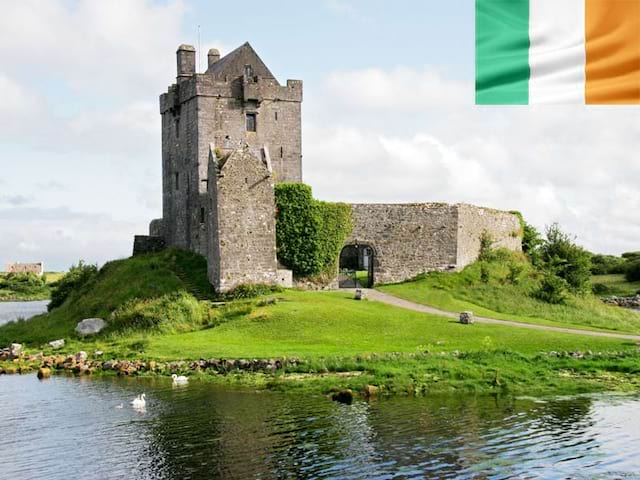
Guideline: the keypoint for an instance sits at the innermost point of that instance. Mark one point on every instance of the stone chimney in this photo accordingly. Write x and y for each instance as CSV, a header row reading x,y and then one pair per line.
x,y
186,57
213,56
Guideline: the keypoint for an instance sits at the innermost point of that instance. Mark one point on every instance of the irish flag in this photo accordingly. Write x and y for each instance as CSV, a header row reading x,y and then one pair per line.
x,y
557,51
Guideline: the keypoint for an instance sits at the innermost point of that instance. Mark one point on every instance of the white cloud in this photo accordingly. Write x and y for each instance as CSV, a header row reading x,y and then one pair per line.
x,y
413,135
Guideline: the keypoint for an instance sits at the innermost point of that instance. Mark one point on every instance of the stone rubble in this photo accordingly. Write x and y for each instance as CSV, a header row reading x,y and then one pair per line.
x,y
626,302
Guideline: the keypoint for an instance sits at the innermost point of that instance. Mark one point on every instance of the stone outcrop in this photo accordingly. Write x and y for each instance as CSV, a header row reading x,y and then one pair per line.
x,y
626,302
56,344
466,318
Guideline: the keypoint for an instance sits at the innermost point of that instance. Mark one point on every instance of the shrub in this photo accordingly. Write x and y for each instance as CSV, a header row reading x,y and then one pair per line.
x,y
486,246
22,282
531,239
309,233
562,257
251,290
75,279
484,273
600,289
552,289
607,264
515,270
632,273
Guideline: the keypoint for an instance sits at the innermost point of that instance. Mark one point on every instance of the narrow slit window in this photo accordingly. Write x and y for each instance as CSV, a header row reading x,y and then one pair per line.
x,y
281,152
201,215
251,122
177,181
276,116
177,128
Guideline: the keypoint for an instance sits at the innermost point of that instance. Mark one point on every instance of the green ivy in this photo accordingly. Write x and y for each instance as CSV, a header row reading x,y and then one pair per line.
x,y
309,233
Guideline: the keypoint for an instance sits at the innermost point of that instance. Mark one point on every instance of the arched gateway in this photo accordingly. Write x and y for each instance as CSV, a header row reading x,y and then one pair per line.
x,y
356,266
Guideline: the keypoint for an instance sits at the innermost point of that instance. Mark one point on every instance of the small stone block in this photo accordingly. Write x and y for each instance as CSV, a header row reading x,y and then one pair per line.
x,y
359,294
466,318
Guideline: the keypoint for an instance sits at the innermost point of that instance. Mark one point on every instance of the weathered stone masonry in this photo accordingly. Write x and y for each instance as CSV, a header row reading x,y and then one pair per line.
x,y
410,239
230,134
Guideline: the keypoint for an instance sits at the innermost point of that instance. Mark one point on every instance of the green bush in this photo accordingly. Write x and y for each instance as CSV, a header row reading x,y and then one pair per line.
x,y
22,282
531,239
552,289
78,277
607,264
562,257
632,273
173,312
486,246
251,290
309,233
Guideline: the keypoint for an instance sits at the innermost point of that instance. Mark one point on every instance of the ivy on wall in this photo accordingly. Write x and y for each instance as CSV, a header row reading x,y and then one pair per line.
x,y
309,233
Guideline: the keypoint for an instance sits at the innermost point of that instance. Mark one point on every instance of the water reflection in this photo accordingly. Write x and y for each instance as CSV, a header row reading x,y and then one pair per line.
x,y
67,428
10,311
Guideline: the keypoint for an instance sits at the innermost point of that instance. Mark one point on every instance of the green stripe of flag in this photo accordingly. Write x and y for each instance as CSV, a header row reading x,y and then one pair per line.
x,y
502,52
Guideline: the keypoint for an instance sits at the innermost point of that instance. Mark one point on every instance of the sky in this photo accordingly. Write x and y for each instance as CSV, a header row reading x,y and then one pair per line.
x,y
388,116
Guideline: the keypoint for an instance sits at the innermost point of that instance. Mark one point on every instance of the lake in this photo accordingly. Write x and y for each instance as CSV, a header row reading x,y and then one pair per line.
x,y
14,310
68,427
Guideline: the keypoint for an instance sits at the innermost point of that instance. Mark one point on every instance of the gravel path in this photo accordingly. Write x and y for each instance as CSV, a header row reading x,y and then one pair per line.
x,y
399,302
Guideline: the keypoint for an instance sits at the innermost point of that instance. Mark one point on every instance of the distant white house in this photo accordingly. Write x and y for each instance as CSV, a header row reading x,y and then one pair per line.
x,y
19,267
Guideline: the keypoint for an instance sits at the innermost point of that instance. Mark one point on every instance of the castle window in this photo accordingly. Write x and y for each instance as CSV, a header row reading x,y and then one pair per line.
x,y
276,116
177,128
281,152
251,122
201,215
177,181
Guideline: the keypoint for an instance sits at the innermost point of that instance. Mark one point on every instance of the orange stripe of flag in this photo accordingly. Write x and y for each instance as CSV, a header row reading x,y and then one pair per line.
x,y
612,31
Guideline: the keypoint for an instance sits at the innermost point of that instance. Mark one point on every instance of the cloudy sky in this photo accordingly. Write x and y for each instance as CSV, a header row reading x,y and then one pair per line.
x,y
388,116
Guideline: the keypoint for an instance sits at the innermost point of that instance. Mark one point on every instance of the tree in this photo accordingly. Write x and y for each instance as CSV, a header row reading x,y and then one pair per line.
x,y
560,256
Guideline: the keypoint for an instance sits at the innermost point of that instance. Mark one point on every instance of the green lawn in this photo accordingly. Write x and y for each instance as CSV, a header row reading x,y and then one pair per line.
x,y
320,324
616,285
501,299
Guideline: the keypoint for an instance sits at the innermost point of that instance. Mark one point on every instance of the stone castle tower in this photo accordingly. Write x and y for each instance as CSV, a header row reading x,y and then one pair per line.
x,y
234,113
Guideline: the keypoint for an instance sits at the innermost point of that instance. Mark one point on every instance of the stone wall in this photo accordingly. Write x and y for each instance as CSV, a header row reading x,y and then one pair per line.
x,y
243,249
147,244
406,239
19,267
503,227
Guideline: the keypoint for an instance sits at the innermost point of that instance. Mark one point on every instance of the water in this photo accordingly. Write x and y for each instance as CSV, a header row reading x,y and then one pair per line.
x,y
10,311
66,427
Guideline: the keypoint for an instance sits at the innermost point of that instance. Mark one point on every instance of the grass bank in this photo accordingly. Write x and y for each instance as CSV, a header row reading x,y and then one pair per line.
x,y
504,296
614,285
154,314
27,287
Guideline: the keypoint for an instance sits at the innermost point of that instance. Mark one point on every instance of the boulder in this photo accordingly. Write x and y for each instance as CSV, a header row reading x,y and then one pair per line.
x,y
359,294
90,326
343,396
44,372
15,350
466,318
56,344
81,357
370,391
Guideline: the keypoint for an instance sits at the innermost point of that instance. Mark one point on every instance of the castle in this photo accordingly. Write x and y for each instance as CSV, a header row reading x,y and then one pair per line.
x,y
229,134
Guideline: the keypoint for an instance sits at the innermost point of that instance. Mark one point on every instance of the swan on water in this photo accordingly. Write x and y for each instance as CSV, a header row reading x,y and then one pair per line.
x,y
179,380
139,401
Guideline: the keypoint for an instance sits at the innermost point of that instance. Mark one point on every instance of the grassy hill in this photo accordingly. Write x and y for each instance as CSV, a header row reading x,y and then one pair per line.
x,y
505,296
615,285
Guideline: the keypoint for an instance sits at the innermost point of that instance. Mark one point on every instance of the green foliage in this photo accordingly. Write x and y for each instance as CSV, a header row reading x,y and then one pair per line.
x,y
485,276
486,244
78,277
23,286
515,270
631,256
614,284
607,264
531,238
553,289
173,312
251,290
309,233
632,271
560,256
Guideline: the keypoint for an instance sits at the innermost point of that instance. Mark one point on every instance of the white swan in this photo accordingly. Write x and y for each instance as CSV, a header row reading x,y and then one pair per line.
x,y
139,401
179,380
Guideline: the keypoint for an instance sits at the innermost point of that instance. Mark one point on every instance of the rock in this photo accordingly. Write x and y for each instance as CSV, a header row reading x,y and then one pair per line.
x,y
359,294
98,353
81,357
343,396
44,372
15,350
466,318
56,344
90,326
370,391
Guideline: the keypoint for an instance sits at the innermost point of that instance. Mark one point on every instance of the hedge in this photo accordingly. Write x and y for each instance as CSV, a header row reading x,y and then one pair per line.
x,y
309,233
